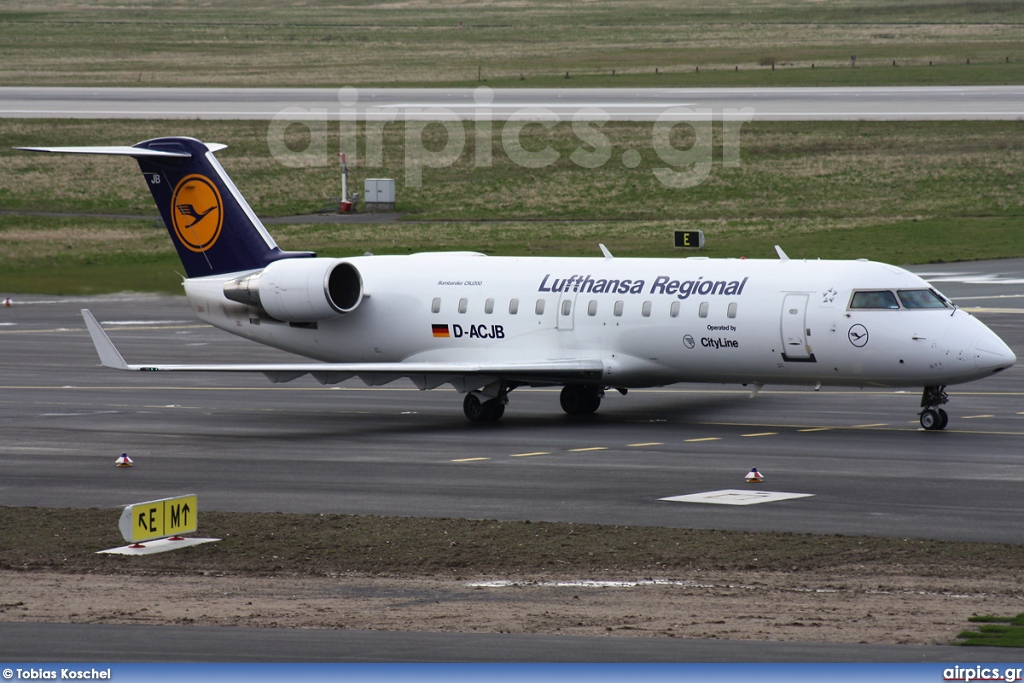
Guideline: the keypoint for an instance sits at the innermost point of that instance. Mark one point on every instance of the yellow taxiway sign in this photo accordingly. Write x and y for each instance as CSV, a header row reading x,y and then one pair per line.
x,y
159,519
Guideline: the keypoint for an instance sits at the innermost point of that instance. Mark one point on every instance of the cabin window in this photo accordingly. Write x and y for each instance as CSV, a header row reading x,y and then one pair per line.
x,y
489,306
732,310
463,305
703,310
435,305
592,308
921,298
540,307
874,299
618,309
645,310
673,310
513,307
566,307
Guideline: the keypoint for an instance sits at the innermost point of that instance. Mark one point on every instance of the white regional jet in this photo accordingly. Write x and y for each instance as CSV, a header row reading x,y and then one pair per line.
x,y
488,325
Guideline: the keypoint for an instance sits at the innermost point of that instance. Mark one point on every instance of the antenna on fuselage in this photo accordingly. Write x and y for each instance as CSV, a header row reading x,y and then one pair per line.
x,y
607,254
782,254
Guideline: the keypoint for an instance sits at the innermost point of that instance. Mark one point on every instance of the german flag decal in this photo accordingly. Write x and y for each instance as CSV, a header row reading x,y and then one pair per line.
x,y
441,331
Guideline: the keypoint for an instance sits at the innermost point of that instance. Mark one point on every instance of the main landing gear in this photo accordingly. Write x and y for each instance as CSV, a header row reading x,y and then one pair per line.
x,y
933,417
581,399
484,411
576,399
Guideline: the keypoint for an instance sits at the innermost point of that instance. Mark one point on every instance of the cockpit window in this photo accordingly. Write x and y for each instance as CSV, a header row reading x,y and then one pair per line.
x,y
921,298
874,299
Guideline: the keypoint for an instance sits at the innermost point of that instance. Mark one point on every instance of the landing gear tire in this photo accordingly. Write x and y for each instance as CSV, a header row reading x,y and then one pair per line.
x,y
482,411
578,399
934,419
495,409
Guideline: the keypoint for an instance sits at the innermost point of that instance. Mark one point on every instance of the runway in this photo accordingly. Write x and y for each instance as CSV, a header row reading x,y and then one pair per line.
x,y
619,104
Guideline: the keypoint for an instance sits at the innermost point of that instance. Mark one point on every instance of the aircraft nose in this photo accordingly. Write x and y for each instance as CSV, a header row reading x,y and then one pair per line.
x,y
991,353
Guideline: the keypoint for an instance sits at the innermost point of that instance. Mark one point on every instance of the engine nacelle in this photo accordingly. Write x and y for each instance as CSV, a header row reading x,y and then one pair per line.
x,y
300,290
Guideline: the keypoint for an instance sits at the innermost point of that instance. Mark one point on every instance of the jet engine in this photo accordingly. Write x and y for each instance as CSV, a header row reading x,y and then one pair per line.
x,y
301,289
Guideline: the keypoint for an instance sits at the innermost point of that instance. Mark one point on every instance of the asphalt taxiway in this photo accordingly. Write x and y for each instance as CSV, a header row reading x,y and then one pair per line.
x,y
142,643
501,104
242,444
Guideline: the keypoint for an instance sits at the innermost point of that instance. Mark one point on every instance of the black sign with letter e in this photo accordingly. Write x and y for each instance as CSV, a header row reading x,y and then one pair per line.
x,y
691,239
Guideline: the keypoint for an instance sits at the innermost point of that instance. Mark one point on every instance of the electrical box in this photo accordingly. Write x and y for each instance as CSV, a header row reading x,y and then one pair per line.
x,y
379,194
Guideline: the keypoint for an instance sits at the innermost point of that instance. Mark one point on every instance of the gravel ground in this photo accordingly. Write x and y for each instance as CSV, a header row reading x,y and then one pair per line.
x,y
814,605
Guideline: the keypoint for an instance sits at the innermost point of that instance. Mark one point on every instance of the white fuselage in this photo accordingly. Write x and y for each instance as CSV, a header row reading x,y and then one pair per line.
x,y
650,321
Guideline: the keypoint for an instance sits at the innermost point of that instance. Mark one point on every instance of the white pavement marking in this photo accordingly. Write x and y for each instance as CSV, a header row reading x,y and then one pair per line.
x,y
736,497
161,545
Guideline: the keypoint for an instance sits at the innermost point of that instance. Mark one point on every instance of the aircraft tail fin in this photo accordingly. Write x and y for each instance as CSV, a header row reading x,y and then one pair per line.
x,y
213,228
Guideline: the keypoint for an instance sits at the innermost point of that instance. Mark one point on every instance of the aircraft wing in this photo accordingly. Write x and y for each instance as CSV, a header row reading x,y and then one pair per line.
x,y
425,375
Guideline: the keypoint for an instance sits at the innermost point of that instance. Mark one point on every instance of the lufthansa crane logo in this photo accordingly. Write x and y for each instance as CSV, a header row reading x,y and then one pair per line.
x,y
196,212
858,335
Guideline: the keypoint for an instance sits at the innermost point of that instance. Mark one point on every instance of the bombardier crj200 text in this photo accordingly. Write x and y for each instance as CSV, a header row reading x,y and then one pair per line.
x,y
487,325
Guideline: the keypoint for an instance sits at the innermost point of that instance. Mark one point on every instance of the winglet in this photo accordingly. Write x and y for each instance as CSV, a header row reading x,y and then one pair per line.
x,y
109,355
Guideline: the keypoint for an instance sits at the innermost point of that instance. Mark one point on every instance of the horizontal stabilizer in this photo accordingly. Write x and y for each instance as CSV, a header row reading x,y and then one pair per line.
x,y
136,152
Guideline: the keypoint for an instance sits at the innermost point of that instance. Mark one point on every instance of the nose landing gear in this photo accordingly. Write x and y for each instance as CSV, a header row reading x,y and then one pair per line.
x,y
932,417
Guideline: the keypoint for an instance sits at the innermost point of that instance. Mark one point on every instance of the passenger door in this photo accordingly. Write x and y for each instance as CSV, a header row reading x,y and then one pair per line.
x,y
795,346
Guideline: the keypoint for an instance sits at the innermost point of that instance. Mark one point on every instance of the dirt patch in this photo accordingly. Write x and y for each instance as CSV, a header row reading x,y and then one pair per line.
x,y
748,605
349,572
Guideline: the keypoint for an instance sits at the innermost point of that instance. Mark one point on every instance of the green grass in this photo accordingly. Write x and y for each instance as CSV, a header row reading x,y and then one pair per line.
x,y
902,192
325,43
927,241
802,172
996,632
880,73
160,275
297,544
